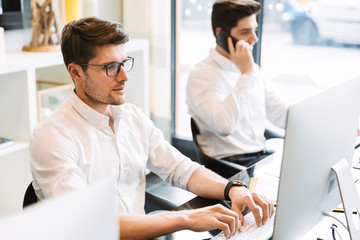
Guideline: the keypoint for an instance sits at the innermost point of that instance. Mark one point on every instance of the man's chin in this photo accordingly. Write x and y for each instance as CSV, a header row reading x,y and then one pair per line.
x,y
118,101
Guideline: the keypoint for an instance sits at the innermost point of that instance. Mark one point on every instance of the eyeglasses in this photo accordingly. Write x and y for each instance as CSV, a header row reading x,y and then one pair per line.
x,y
113,69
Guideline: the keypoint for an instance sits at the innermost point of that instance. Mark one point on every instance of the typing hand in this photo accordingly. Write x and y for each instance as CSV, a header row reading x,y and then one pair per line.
x,y
213,217
241,197
241,56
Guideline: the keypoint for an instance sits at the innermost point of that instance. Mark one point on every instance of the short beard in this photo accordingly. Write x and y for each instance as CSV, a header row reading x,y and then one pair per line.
x,y
96,99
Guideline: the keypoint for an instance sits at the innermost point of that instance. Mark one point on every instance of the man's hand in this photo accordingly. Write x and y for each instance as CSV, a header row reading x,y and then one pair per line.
x,y
241,56
241,197
213,217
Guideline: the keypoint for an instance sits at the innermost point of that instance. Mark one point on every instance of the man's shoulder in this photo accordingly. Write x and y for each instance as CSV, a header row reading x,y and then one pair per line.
x,y
130,113
59,119
205,68
208,62
206,73
50,123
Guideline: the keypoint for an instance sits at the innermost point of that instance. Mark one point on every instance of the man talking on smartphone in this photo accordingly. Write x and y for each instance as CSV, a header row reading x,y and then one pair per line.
x,y
227,96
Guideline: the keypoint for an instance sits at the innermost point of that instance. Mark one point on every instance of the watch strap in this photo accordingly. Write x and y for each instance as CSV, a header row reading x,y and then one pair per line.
x,y
231,184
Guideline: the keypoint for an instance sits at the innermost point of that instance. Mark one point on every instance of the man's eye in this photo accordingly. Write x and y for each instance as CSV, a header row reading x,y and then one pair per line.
x,y
111,67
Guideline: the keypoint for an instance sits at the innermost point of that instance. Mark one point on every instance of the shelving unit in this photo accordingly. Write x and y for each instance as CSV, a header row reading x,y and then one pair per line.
x,y
18,109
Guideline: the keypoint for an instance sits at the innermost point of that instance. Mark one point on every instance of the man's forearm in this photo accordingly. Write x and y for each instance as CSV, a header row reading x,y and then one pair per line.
x,y
150,226
205,183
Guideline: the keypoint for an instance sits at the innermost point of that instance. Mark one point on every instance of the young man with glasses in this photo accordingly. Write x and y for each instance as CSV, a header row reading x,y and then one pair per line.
x,y
226,94
95,134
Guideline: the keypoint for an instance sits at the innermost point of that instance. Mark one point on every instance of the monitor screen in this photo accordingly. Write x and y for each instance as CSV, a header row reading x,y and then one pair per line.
x,y
321,130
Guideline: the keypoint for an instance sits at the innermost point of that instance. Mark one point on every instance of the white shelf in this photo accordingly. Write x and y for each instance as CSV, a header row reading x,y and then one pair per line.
x,y
14,147
17,61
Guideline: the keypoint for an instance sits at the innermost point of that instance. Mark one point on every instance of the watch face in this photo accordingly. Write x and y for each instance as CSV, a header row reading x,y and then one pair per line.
x,y
239,183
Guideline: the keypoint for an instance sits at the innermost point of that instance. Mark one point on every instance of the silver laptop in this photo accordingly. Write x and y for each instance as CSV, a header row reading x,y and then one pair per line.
x,y
90,213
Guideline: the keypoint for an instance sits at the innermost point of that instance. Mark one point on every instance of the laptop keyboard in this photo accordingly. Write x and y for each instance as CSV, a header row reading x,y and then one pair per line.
x,y
250,230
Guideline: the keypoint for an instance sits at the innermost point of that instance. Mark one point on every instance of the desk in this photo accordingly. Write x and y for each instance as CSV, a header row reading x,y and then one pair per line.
x,y
199,202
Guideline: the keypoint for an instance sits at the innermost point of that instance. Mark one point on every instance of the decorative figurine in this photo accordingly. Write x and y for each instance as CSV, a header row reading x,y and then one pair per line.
x,y
45,29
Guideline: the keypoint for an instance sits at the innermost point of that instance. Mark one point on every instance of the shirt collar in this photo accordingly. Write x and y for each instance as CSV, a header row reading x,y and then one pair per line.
x,y
93,117
223,62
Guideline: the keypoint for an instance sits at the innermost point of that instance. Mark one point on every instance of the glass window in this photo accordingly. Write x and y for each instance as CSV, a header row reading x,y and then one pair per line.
x,y
310,45
306,46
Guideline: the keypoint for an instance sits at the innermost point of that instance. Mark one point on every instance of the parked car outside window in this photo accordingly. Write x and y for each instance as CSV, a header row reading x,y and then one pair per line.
x,y
314,21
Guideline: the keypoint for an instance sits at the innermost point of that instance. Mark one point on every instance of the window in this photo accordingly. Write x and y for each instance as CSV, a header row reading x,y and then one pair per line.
x,y
310,45
306,46
193,42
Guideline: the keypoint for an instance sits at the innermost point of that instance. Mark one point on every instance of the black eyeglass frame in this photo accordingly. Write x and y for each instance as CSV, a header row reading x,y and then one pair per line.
x,y
121,64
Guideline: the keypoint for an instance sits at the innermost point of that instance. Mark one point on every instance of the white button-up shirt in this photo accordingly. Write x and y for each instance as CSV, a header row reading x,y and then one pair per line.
x,y
231,109
75,146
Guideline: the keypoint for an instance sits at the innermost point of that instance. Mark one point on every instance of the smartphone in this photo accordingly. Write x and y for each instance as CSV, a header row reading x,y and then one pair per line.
x,y
222,40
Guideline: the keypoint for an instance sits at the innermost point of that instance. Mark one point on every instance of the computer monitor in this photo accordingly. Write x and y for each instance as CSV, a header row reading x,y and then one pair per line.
x,y
320,131
89,213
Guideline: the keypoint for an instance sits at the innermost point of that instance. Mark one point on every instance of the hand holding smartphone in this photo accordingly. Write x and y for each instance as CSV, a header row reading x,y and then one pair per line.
x,y
242,58
222,40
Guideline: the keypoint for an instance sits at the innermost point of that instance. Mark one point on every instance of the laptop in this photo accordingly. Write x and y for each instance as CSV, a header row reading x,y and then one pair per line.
x,y
89,213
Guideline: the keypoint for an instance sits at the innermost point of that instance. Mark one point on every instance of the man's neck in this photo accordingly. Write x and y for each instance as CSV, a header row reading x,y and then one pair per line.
x,y
99,107
222,51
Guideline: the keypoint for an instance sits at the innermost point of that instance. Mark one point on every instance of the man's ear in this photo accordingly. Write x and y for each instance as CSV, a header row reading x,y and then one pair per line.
x,y
217,31
76,72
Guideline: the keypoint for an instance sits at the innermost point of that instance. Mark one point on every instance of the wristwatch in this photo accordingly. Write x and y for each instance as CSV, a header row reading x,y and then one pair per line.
x,y
230,185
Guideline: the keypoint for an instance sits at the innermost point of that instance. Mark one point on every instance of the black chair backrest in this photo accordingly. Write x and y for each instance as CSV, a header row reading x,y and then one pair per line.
x,y
30,196
221,167
194,131
271,134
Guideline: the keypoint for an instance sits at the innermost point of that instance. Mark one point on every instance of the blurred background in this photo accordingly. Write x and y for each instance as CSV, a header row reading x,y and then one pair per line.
x,y
304,46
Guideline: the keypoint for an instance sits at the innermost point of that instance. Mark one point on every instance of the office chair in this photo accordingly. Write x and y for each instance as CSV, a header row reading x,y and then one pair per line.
x,y
271,134
30,196
220,166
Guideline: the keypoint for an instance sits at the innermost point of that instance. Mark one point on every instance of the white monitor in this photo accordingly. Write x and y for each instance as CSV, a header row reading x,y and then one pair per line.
x,y
90,213
320,131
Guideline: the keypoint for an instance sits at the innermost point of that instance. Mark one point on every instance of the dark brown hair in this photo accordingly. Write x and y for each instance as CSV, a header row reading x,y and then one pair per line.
x,y
80,38
226,13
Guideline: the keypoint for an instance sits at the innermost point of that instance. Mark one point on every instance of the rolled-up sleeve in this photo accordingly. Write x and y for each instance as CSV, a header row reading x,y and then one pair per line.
x,y
167,162
53,164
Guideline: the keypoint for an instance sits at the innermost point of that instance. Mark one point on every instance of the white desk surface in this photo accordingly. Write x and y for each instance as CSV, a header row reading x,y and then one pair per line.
x,y
323,229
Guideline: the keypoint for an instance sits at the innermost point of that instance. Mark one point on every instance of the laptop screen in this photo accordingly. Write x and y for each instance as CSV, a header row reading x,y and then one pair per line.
x,y
90,213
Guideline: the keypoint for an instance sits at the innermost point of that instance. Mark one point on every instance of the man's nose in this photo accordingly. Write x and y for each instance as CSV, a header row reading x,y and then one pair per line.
x,y
122,75
253,38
